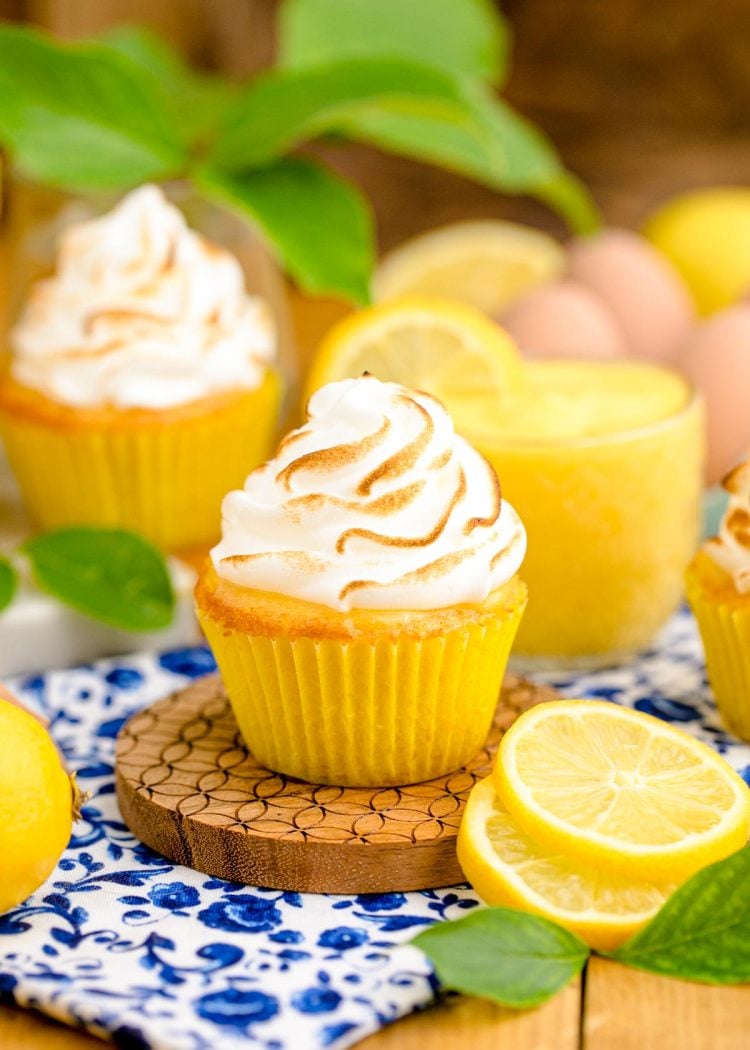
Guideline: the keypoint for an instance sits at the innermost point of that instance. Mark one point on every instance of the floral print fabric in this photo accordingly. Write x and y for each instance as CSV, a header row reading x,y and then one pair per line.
x,y
126,944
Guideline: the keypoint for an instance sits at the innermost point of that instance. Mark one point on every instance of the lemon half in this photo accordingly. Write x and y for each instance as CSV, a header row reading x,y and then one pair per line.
x,y
442,347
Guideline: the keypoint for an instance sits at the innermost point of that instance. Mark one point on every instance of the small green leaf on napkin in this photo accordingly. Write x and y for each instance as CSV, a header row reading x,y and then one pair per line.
x,y
702,933
8,583
319,224
80,116
511,957
108,574
469,36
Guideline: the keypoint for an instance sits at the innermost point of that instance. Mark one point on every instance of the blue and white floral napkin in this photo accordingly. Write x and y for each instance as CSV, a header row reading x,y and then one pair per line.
x,y
124,943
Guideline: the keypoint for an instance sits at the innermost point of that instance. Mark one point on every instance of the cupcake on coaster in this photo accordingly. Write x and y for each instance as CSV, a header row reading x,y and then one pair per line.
x,y
364,597
140,386
718,587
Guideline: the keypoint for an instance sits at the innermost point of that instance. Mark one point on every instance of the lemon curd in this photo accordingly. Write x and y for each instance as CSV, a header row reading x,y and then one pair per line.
x,y
603,462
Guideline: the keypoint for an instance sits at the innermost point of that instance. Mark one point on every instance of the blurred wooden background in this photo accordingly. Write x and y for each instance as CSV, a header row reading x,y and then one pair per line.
x,y
642,97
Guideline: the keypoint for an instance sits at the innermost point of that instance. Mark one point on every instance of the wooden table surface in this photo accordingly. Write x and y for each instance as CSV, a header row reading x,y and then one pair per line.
x,y
612,1009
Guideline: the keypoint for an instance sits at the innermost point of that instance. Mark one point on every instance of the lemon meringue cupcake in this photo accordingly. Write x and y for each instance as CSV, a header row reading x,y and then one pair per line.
x,y
140,387
364,597
718,589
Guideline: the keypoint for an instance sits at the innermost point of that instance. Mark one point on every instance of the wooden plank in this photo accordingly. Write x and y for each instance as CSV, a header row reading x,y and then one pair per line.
x,y
627,1009
458,1023
236,37
178,20
461,1023
21,1030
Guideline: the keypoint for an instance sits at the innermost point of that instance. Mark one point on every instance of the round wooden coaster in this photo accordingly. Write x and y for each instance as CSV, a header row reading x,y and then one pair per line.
x,y
189,788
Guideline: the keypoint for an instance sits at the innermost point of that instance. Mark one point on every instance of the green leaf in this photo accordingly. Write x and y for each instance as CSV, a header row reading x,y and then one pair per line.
x,y
569,197
412,109
511,957
8,583
108,574
465,36
195,101
482,137
319,224
80,116
702,933
284,108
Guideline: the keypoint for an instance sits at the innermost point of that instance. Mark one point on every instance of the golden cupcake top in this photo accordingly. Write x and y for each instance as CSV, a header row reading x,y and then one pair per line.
x,y
375,503
731,548
141,312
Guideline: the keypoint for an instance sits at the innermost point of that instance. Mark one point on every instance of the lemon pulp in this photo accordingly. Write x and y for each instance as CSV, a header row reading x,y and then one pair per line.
x,y
505,866
488,264
615,787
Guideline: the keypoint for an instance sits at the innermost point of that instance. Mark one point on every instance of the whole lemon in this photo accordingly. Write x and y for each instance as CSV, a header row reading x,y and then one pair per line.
x,y
706,235
37,803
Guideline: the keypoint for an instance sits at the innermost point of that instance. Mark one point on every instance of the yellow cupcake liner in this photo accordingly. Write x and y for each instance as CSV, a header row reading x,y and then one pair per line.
x,y
164,481
725,630
365,712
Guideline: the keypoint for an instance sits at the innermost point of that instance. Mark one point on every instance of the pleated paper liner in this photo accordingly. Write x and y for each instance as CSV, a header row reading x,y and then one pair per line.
x,y
164,477
724,623
367,711
189,788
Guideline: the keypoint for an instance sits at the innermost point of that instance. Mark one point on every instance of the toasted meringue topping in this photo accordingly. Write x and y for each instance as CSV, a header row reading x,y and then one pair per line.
x,y
141,312
375,503
731,548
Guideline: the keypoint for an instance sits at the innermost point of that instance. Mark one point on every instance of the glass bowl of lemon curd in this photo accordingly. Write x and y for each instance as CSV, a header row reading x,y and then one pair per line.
x,y
603,461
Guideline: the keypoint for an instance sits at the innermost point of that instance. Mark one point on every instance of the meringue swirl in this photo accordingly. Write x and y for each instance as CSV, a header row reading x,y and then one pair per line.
x,y
731,548
142,312
375,503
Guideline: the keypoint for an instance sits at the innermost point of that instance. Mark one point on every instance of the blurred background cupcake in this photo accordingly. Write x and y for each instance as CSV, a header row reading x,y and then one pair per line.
x,y
718,587
140,386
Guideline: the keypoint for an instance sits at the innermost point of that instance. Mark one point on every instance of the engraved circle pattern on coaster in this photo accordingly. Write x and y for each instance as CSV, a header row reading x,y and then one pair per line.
x,y
189,788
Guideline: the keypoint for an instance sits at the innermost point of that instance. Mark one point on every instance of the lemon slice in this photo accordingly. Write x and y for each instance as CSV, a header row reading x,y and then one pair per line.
x,y
507,867
616,788
444,348
488,264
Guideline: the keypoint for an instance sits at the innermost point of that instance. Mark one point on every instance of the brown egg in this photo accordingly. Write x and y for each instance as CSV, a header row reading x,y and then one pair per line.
x,y
717,359
644,292
564,319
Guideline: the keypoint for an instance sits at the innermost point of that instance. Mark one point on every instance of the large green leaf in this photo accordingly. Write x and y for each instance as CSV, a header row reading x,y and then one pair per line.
x,y
702,933
283,108
508,956
412,109
80,116
480,136
319,225
196,101
466,36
